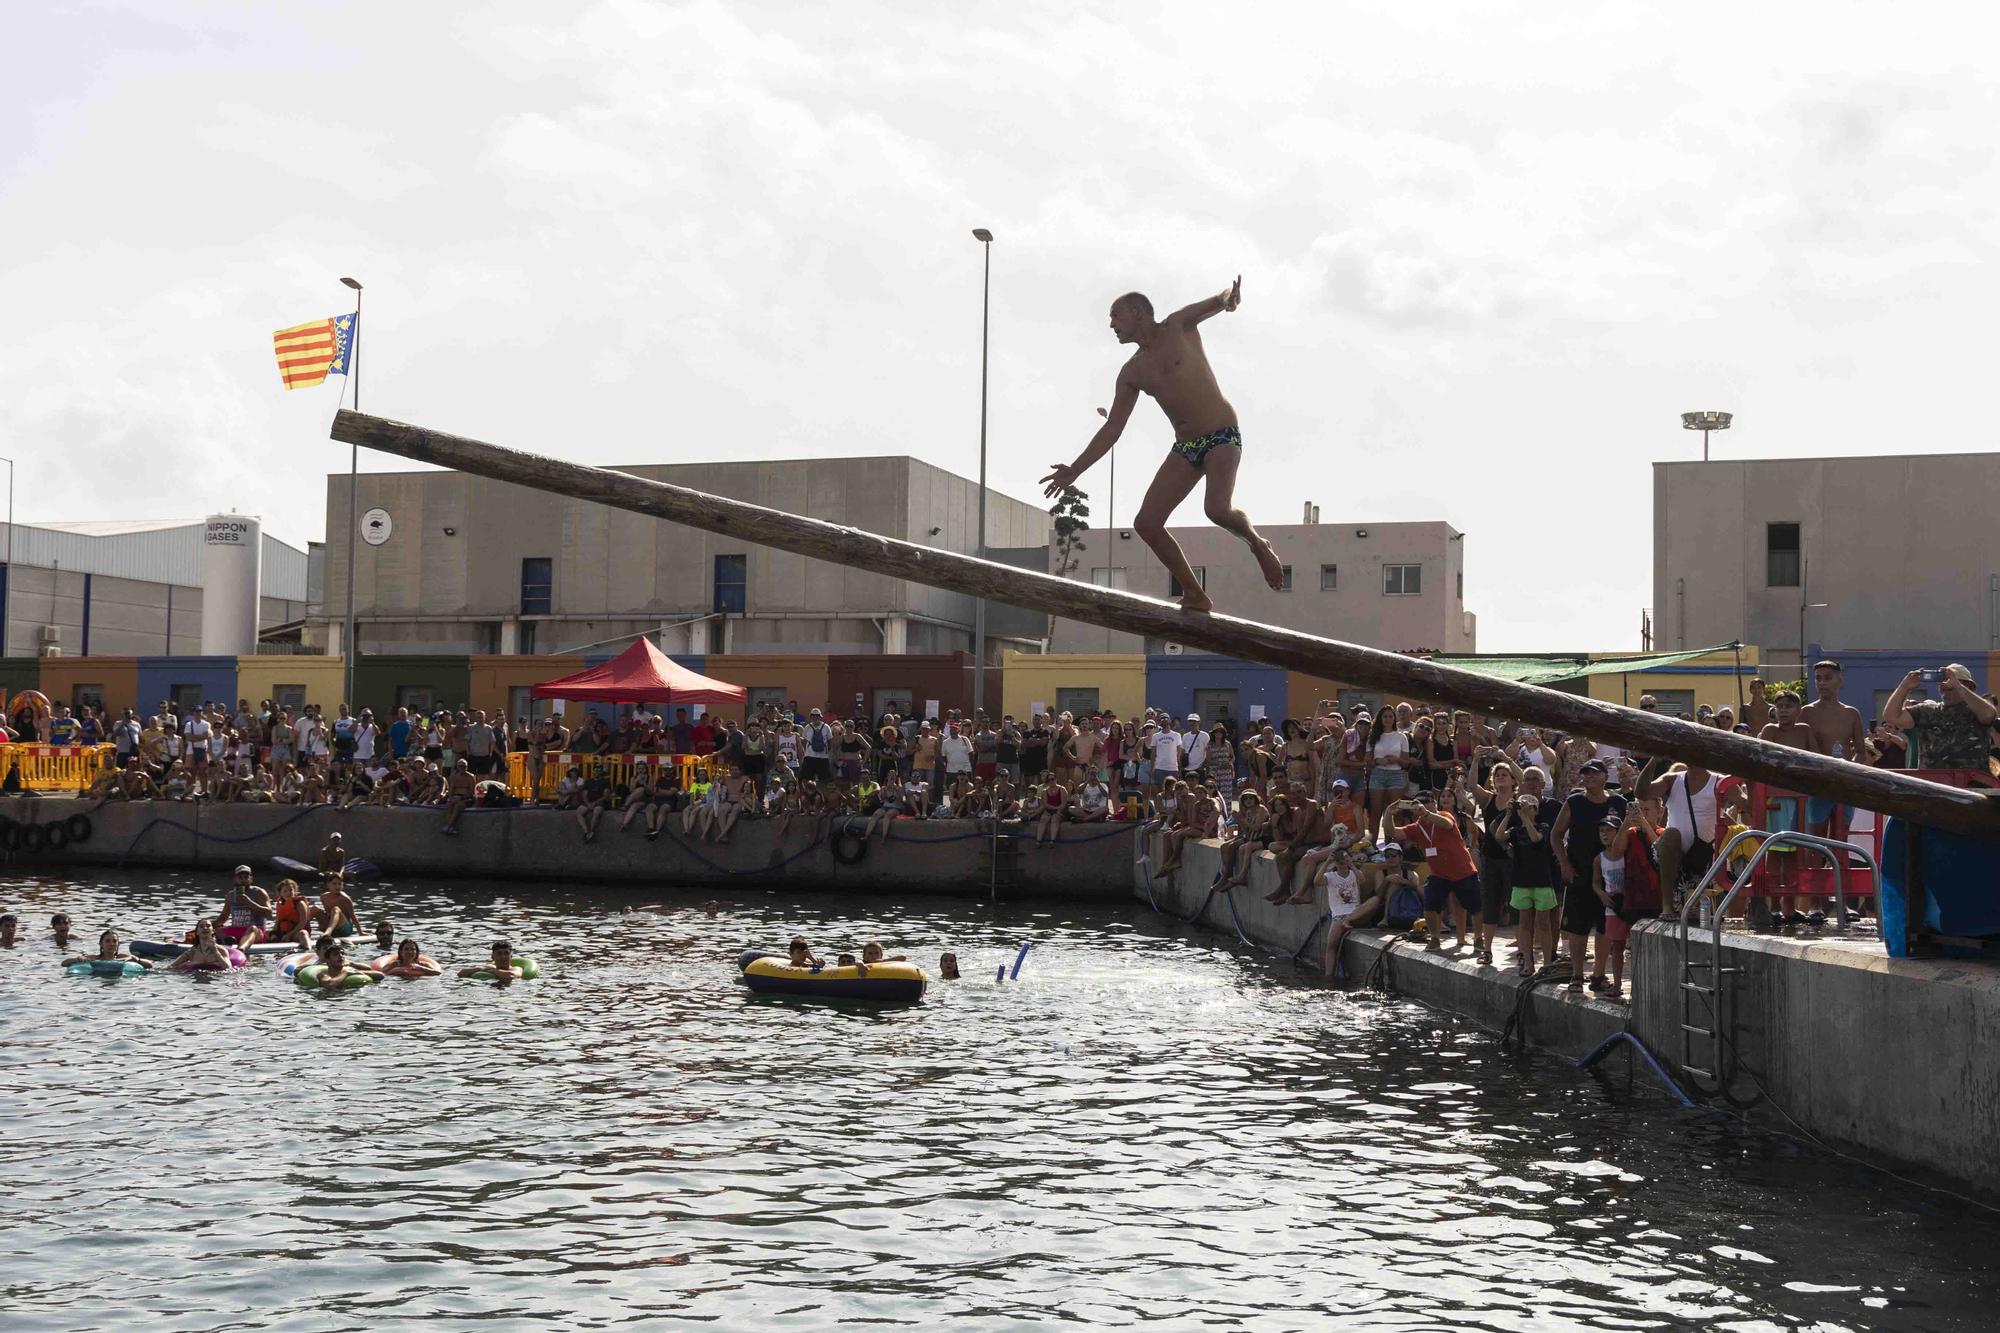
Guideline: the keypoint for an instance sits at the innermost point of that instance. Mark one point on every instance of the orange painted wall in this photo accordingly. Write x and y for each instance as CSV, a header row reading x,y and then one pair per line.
x,y
493,677
118,675
801,676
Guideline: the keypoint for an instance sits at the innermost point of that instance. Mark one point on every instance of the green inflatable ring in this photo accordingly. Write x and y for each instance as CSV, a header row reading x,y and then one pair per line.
x,y
309,976
530,969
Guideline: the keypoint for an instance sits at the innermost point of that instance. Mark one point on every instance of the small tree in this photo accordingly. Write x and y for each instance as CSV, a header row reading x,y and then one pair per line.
x,y
1071,513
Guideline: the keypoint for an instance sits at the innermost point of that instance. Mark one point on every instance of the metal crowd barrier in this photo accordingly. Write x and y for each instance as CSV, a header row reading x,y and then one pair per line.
x,y
691,769
56,767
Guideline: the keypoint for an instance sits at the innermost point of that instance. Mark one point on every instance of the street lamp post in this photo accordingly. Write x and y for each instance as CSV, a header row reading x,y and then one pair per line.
x,y
1705,422
985,239
353,495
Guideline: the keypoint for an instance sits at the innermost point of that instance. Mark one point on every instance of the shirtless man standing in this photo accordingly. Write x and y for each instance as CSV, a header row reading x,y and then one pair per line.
x,y
1171,366
1837,730
1790,730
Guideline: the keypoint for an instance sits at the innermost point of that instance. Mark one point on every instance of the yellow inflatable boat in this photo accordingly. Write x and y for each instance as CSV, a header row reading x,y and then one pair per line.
x,y
773,974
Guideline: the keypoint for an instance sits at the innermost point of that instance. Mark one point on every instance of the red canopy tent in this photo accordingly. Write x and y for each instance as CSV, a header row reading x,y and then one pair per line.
x,y
640,674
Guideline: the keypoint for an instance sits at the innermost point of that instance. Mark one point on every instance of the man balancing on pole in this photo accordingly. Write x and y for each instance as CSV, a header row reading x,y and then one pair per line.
x,y
1171,366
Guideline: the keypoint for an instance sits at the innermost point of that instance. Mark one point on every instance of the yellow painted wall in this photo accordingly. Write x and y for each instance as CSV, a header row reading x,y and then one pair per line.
x,y
802,676
1029,678
1303,693
257,678
1713,688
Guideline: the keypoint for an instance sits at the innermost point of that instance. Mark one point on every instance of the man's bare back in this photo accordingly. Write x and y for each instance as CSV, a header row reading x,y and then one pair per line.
x,y
1171,366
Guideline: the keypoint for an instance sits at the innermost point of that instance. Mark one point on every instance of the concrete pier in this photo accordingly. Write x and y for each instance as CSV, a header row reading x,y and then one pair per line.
x,y
1895,1059
944,857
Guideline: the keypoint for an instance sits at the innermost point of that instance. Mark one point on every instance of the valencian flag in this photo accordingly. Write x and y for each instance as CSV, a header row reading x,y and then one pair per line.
x,y
308,353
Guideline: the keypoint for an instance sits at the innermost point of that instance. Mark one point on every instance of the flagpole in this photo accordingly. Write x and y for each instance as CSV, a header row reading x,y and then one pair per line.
x,y
349,649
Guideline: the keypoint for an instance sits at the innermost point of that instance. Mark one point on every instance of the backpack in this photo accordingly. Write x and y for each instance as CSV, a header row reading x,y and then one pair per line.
x,y
1405,907
1642,880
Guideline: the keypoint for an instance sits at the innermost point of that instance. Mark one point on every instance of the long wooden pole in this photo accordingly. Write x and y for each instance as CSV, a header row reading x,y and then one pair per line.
x,y
1959,810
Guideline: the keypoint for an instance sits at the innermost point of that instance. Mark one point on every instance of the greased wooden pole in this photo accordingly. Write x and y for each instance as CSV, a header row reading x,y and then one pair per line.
x,y
1956,809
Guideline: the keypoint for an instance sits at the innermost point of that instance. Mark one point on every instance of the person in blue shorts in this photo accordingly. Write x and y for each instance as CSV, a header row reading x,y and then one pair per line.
x,y
1172,366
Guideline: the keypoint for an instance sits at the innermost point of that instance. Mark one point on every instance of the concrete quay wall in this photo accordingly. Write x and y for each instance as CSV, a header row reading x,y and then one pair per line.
x,y
942,857
1897,1060
1896,1057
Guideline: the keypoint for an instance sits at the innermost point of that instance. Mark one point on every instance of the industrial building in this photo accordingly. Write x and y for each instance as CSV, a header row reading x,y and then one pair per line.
x,y
1883,562
144,587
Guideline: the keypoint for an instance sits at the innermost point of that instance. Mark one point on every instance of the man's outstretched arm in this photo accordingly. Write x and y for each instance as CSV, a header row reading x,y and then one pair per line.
x,y
1122,402
1227,299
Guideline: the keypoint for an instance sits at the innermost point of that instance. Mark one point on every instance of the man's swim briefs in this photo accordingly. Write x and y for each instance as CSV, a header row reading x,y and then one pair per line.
x,y
1195,451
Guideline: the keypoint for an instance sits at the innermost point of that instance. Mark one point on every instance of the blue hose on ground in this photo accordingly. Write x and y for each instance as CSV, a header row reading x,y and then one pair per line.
x,y
1605,1046
1020,958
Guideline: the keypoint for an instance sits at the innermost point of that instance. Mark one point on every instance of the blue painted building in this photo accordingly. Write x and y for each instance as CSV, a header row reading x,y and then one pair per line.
x,y
187,681
1870,674
1221,689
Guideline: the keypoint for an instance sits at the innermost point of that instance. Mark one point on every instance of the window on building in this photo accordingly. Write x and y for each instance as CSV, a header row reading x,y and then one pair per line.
x,y
1352,699
1402,580
1781,555
1174,588
538,576
86,696
1329,577
1459,580
1675,703
1113,576
1079,702
489,637
416,698
732,577
1285,580
524,638
188,697
289,696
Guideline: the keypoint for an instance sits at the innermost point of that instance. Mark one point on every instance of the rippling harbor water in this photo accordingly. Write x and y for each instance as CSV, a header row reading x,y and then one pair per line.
x,y
1146,1127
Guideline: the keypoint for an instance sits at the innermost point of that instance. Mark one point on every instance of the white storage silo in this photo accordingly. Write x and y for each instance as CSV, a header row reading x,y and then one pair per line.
x,y
232,559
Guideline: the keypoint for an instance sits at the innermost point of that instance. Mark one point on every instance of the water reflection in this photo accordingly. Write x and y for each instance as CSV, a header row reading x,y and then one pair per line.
x,y
1146,1128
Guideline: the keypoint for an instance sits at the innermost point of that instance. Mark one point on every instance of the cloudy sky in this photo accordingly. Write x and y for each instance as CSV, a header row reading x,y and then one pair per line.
x,y
1489,252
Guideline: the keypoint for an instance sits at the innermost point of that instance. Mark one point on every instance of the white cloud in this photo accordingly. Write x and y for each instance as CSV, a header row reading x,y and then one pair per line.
x,y
633,231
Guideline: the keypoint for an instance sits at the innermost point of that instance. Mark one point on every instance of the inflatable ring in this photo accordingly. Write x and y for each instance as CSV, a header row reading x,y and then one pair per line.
x,y
236,960
56,835
772,974
849,847
105,967
77,828
32,700
34,837
530,969
309,976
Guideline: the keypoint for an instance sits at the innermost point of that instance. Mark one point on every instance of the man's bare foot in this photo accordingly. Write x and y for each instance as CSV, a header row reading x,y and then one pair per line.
x,y
1267,560
1194,599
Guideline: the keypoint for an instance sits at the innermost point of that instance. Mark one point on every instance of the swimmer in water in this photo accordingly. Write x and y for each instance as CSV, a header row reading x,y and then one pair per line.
x,y
385,935
291,915
245,909
337,970
948,966
412,962
109,950
59,929
336,915
802,954
501,968
205,954
9,925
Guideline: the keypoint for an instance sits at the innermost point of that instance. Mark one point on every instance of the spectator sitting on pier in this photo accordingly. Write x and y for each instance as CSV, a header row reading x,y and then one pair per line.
x,y
1048,819
133,782
460,792
569,788
1347,905
888,805
1250,834
1092,802
1342,825
177,786
642,797
591,799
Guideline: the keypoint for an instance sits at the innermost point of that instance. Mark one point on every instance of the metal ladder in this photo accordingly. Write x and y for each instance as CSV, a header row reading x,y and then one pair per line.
x,y
1715,995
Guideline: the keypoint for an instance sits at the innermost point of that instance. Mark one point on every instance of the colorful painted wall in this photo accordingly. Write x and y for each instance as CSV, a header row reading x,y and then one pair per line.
x,y
1715,680
186,678
111,681
292,680
1220,689
915,678
492,680
383,682
1868,676
1056,680
781,677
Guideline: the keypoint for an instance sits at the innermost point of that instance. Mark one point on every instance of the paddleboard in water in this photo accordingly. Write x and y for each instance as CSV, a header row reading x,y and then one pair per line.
x,y
356,868
175,948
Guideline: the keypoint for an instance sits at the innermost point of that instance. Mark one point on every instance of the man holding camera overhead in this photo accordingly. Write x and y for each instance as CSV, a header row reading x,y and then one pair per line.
x,y
1953,727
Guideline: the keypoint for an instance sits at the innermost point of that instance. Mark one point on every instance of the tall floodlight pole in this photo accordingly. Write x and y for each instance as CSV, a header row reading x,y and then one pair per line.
x,y
7,589
347,644
985,239
1701,421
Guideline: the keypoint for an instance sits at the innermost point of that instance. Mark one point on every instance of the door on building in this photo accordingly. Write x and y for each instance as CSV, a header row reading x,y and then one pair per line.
x,y
1216,706
1675,703
87,696
1368,699
289,696
897,699
416,698
520,703
186,697
1077,703
765,696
